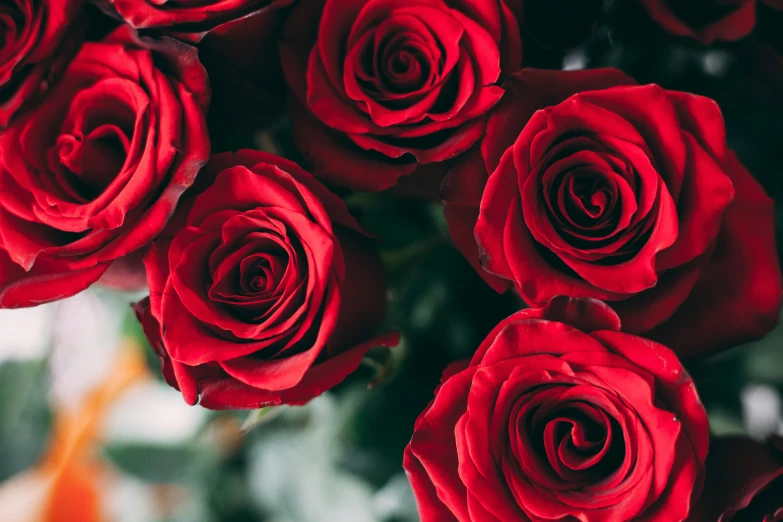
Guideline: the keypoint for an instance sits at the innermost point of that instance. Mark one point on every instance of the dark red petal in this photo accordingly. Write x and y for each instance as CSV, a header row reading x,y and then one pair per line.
x,y
738,295
43,283
430,507
225,393
586,315
706,192
738,469
434,446
338,160
732,26
530,90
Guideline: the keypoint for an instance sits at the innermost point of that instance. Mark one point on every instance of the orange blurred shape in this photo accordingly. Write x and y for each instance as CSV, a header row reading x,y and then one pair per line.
x,y
66,485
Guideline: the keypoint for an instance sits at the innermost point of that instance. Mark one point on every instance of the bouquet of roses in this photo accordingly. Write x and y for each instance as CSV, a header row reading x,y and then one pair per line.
x,y
277,172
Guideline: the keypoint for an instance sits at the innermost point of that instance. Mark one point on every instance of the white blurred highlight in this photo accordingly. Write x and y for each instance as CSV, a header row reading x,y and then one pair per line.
x,y
85,341
761,411
154,413
26,332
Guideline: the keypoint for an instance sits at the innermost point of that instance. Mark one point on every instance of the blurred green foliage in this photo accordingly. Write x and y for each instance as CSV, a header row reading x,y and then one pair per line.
x,y
25,418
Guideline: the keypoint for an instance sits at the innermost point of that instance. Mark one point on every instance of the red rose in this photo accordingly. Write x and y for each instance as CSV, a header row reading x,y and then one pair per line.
x,y
558,416
266,292
744,482
95,171
383,87
38,39
600,188
189,20
706,21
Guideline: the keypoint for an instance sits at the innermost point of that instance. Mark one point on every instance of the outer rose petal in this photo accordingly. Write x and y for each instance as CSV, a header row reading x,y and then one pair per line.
x,y
435,450
529,90
151,329
126,274
461,194
741,472
232,394
48,38
735,24
43,283
189,23
731,303
337,161
247,80
586,315
430,507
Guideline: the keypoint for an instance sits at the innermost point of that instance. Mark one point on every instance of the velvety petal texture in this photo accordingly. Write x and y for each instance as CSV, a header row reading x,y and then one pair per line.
x,y
263,290
37,39
704,20
96,170
248,88
382,87
189,20
559,416
588,185
744,482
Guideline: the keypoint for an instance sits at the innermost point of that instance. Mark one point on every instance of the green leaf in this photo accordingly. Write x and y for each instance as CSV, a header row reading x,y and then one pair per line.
x,y
259,417
724,422
25,418
162,464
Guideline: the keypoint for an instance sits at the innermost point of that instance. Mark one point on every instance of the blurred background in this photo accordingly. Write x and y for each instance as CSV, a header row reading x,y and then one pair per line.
x,y
90,433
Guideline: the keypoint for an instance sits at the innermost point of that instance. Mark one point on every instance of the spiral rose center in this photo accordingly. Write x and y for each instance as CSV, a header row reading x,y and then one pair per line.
x,y
588,198
256,268
92,146
257,276
576,442
91,162
402,70
584,204
402,61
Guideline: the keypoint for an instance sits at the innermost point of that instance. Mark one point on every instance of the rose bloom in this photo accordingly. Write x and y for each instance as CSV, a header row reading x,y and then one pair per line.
x,y
95,171
385,88
744,482
704,20
559,416
588,185
189,20
38,39
264,290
